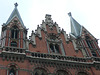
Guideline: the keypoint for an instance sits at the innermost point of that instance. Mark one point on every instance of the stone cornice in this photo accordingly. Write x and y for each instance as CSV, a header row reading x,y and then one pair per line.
x,y
52,59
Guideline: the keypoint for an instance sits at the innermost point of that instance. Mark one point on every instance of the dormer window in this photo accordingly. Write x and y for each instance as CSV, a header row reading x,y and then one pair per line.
x,y
14,32
91,46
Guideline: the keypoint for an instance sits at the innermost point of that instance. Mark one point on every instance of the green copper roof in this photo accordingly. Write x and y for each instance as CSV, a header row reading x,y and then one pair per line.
x,y
15,13
76,28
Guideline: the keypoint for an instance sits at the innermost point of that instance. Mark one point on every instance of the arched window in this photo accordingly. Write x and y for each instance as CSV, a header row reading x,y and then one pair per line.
x,y
54,44
14,32
12,70
40,71
82,73
14,43
61,72
91,45
36,73
89,42
57,48
54,48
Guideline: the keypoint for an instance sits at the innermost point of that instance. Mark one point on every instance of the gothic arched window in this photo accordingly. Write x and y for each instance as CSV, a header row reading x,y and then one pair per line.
x,y
40,71
82,73
12,70
57,48
62,72
54,48
91,45
36,73
89,42
14,32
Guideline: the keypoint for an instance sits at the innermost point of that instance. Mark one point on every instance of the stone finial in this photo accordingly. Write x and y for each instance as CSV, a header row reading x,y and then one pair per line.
x,y
62,29
69,14
32,31
48,16
16,4
42,21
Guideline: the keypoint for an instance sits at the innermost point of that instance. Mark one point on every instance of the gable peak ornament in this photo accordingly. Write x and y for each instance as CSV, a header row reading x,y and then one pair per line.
x,y
16,4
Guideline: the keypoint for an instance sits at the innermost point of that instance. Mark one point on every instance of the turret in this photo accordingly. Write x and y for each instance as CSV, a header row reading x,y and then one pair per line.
x,y
14,32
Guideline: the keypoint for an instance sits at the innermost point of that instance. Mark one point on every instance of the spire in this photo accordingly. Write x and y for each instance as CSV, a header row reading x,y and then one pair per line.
x,y
15,13
76,28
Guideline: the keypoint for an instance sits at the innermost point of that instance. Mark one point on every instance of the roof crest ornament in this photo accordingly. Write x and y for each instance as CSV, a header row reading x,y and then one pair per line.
x,y
69,14
16,4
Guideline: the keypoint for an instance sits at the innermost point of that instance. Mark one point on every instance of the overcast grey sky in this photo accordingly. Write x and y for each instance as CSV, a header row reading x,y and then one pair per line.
x,y
86,12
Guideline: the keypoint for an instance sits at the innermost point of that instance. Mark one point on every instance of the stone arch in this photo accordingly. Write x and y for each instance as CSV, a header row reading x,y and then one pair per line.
x,y
15,22
79,72
62,70
12,69
40,67
12,64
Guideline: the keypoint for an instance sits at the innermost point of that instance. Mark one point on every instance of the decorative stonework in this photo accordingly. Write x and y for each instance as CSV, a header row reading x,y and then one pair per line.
x,y
64,71
82,71
49,50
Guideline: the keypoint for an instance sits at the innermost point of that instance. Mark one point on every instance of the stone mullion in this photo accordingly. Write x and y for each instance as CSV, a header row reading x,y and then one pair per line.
x,y
83,49
48,47
94,45
54,48
16,72
7,71
62,49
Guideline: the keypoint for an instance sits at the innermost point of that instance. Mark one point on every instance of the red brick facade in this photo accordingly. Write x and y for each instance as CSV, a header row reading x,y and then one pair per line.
x,y
48,51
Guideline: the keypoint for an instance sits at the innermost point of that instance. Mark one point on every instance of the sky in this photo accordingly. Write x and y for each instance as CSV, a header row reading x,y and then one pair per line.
x,y
85,12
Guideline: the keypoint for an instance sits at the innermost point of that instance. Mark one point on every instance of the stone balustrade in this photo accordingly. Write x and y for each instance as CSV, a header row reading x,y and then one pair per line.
x,y
97,59
14,49
57,57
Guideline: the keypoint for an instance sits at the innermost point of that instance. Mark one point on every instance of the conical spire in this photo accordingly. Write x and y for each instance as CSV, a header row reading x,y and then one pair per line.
x,y
15,13
76,28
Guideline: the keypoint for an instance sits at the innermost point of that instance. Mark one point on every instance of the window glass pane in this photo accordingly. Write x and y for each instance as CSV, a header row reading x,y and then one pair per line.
x,y
16,34
94,53
12,33
52,47
12,72
57,48
36,73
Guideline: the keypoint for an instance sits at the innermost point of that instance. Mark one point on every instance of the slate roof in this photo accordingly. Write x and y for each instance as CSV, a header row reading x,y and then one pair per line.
x,y
15,13
76,28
